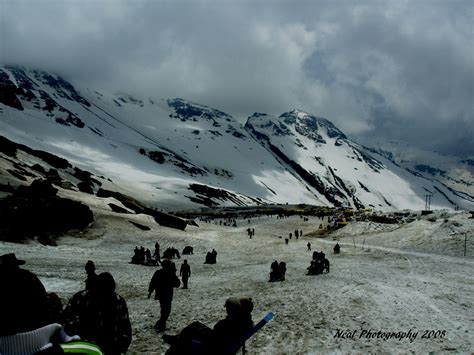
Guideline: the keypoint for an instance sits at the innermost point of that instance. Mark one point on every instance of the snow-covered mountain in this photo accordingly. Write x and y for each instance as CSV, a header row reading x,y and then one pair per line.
x,y
175,153
344,172
455,172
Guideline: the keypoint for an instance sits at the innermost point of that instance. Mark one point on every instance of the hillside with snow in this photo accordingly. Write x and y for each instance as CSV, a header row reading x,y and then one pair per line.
x,y
455,172
344,172
175,154
388,277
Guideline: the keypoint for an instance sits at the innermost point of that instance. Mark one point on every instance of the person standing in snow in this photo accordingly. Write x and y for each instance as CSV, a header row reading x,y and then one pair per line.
x,y
100,315
27,324
91,275
185,273
309,246
157,252
162,283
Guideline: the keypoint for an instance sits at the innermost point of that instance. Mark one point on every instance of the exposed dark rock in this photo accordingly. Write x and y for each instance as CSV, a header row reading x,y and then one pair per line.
x,y
7,188
86,179
166,220
16,174
47,239
85,187
117,209
205,195
38,168
8,92
53,176
186,110
469,162
35,209
140,226
38,188
96,131
8,147
259,136
363,186
309,178
127,201
63,88
82,175
215,133
157,156
445,196
51,159
430,170
363,156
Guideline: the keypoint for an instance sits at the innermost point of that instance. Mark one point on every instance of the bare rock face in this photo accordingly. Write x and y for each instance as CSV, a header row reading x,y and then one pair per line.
x,y
8,92
35,210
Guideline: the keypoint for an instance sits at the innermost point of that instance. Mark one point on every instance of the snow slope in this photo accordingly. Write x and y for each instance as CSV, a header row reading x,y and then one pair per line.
x,y
455,172
175,153
344,172
421,283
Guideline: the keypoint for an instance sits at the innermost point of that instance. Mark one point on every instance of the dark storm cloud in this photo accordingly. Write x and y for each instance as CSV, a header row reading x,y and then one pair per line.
x,y
401,69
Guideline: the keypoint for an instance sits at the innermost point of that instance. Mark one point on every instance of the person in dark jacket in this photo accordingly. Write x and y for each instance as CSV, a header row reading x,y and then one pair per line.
x,y
91,275
100,315
27,317
223,338
185,273
162,283
23,299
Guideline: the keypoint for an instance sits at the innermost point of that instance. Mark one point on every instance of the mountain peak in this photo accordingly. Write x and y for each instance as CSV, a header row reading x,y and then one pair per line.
x,y
188,110
183,152
305,122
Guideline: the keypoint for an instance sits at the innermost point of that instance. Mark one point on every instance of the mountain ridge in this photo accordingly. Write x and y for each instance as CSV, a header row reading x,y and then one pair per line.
x,y
161,148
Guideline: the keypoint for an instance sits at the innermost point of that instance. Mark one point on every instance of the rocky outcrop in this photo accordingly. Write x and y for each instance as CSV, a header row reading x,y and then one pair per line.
x,y
35,210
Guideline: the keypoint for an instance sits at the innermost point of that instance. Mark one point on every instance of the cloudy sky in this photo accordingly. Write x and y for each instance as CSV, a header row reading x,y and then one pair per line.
x,y
386,69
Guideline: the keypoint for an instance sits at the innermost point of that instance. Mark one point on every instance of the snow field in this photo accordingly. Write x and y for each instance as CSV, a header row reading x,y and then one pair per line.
x,y
389,285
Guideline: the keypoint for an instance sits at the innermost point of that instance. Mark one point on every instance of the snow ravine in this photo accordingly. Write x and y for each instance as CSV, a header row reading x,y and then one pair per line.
x,y
411,277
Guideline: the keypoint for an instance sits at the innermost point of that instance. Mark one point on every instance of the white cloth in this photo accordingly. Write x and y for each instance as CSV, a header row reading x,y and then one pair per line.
x,y
34,340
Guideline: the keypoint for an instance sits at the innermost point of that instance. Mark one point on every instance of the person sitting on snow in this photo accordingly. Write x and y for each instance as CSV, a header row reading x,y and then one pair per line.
x,y
197,338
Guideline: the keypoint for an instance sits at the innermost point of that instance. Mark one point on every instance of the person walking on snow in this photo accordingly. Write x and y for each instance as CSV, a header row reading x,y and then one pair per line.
x,y
162,283
185,273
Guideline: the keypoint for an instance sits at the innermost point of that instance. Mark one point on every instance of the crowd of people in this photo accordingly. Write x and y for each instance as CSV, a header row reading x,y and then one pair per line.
x,y
319,264
211,257
33,321
277,271
142,256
